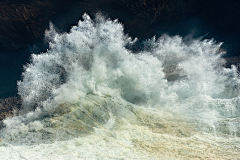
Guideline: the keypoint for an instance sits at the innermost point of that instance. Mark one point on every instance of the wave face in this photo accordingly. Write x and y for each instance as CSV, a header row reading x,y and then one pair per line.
x,y
90,96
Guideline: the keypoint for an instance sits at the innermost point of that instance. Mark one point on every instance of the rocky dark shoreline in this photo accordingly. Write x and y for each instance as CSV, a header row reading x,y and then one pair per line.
x,y
9,107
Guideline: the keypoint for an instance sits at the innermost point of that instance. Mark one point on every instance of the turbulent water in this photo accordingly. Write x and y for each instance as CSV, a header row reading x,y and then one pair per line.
x,y
90,97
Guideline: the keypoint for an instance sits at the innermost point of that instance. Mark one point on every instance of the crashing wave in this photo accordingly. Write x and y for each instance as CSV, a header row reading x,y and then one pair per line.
x,y
89,83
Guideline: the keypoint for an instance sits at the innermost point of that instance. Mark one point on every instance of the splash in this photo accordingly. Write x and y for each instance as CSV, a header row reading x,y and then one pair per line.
x,y
89,87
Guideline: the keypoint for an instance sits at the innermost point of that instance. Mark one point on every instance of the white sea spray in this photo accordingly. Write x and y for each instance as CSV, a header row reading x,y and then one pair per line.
x,y
90,97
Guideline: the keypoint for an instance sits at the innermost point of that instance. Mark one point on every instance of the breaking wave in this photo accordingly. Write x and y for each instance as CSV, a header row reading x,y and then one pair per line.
x,y
91,96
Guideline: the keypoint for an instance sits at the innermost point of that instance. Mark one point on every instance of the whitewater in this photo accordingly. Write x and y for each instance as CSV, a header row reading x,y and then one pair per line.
x,y
90,96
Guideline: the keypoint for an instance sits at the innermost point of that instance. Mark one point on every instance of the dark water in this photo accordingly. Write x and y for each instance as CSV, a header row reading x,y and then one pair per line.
x,y
11,68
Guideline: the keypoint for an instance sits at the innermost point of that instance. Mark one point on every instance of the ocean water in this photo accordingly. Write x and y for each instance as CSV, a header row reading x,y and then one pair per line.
x,y
91,97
